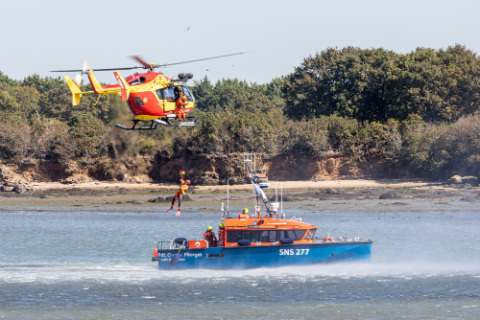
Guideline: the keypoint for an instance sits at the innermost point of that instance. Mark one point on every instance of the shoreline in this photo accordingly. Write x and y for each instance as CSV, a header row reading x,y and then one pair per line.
x,y
36,187
302,192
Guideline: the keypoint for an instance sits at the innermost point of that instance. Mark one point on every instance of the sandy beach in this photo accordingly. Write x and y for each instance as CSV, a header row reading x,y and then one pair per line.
x,y
155,194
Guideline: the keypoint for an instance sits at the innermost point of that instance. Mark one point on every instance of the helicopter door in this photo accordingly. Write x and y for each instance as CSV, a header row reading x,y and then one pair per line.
x,y
167,98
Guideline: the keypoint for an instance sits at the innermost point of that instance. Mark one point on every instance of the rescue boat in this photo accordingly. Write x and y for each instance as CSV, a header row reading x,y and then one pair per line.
x,y
256,242
260,241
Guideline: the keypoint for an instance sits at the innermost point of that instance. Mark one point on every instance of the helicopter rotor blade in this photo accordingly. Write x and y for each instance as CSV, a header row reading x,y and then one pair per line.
x,y
108,69
203,59
145,64
86,66
152,66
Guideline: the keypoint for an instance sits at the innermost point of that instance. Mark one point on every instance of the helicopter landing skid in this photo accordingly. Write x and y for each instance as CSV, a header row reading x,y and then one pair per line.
x,y
164,122
152,126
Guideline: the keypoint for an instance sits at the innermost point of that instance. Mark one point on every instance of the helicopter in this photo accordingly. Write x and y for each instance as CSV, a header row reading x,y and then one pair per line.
x,y
151,96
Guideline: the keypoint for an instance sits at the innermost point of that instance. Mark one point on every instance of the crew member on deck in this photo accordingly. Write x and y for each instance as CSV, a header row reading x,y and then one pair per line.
x,y
209,235
221,234
244,214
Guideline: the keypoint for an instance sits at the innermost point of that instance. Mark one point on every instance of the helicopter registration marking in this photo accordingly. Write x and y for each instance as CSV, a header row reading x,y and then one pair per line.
x,y
294,252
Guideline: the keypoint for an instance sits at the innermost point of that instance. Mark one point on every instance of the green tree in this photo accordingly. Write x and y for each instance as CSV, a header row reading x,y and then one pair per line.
x,y
5,79
8,103
203,92
27,99
376,85
88,131
43,84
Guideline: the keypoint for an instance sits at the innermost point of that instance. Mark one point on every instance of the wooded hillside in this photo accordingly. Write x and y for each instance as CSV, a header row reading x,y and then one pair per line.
x,y
413,115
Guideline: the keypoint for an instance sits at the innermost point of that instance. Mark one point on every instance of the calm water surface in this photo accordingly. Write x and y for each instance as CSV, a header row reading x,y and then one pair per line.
x,y
94,263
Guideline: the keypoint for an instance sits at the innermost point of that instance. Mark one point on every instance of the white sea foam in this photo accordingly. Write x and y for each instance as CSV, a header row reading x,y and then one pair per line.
x,y
134,273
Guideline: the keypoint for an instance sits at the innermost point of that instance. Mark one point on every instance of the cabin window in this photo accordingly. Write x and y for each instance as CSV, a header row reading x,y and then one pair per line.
x,y
138,101
311,234
264,235
292,234
166,94
172,94
161,94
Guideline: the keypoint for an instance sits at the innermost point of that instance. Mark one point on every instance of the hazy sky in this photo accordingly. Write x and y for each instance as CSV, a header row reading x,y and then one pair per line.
x,y
38,36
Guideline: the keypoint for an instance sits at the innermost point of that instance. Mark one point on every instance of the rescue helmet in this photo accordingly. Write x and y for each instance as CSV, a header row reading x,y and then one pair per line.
x,y
182,172
209,228
245,211
184,98
188,181
221,225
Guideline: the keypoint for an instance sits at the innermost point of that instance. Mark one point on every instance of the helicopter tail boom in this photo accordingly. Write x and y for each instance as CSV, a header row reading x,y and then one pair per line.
x,y
76,92
97,87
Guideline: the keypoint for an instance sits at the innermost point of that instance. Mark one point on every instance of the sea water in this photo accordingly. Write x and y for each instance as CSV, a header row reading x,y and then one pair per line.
x,y
95,263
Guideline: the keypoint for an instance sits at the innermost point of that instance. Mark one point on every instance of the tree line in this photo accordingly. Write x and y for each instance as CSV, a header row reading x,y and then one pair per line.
x,y
416,113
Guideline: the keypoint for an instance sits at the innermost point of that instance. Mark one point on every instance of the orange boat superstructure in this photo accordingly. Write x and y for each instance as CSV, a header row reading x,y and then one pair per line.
x,y
267,231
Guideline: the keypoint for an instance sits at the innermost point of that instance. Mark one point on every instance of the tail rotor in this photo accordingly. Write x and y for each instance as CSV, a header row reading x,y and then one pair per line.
x,y
78,76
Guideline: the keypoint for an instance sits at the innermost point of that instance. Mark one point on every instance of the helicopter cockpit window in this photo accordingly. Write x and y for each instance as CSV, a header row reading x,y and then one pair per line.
x,y
188,94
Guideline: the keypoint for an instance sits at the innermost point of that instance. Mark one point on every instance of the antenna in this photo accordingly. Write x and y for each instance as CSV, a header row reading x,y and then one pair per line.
x,y
281,197
276,193
228,199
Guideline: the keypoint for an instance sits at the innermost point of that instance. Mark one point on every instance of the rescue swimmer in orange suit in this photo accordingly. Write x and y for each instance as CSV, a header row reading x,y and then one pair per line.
x,y
180,104
209,235
179,195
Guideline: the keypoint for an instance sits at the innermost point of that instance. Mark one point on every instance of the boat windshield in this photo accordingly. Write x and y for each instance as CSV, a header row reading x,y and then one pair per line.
x,y
311,234
264,235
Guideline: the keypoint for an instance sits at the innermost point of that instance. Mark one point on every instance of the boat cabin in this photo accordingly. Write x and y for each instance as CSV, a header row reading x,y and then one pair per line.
x,y
266,231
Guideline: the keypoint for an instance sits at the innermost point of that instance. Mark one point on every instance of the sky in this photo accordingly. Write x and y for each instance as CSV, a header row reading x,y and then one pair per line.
x,y
39,36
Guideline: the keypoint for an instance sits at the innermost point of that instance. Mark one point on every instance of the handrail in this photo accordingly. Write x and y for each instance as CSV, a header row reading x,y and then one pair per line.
x,y
172,245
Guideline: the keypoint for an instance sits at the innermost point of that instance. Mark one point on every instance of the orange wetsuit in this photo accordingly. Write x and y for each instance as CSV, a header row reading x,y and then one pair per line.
x,y
209,235
221,237
180,104
179,194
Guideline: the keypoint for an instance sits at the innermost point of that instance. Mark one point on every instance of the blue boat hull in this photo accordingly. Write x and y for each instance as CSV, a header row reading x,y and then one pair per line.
x,y
263,256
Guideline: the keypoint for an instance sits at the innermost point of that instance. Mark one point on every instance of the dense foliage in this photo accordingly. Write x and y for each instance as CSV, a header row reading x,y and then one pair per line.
x,y
377,85
418,113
